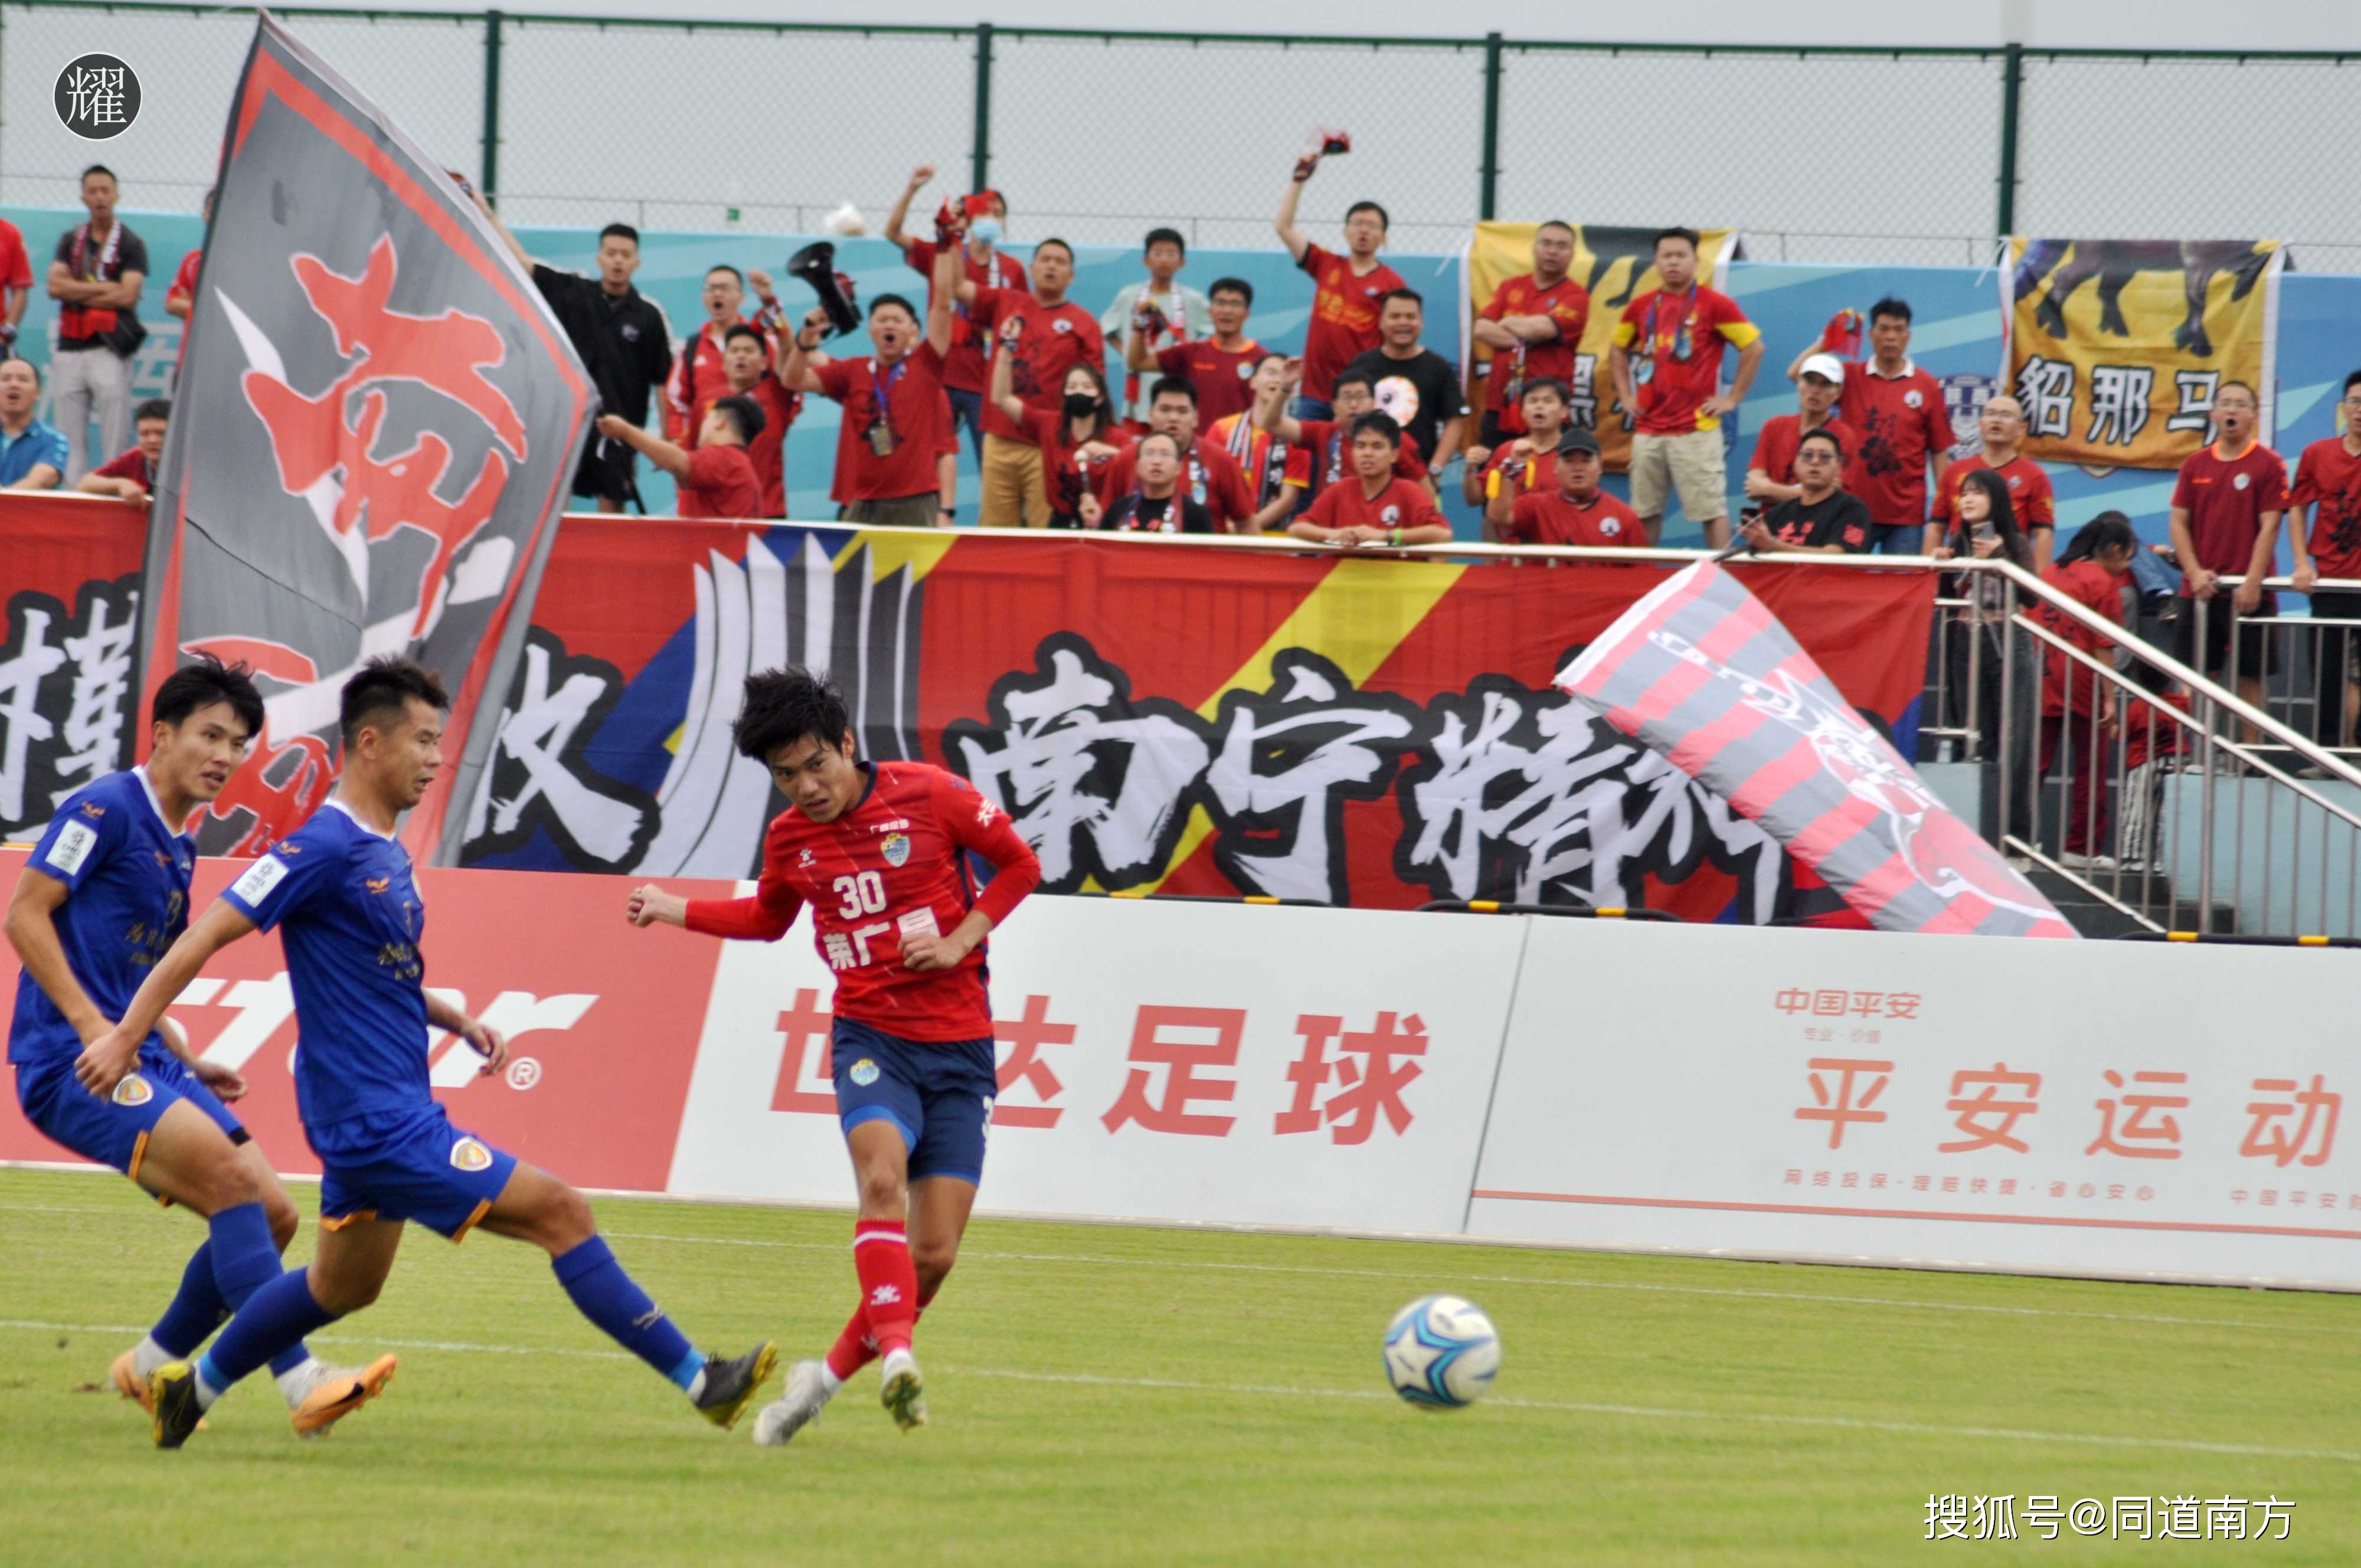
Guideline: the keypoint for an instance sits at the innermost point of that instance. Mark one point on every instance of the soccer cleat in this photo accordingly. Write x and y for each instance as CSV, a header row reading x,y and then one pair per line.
x,y
904,1393
172,1403
806,1394
730,1386
339,1394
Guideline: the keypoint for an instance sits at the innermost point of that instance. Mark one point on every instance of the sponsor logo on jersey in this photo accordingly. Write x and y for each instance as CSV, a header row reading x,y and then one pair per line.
x,y
896,847
984,813
864,1072
804,860
468,1153
132,1089
378,884
93,809
74,844
260,878
896,825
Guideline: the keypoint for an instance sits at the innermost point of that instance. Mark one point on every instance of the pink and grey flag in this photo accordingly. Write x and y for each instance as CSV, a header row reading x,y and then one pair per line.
x,y
1701,671
376,424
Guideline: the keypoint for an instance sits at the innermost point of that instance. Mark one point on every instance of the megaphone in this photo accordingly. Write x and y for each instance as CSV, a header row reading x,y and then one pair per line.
x,y
816,265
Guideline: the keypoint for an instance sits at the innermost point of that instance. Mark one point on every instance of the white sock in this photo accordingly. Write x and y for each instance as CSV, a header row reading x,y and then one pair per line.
x,y
297,1381
207,1392
828,1381
696,1386
148,1355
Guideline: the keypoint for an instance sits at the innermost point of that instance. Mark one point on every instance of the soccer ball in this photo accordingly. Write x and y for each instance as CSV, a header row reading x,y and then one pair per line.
x,y
1442,1353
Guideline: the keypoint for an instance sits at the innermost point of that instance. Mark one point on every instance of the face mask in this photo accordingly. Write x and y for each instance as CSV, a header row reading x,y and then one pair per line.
x,y
985,230
1080,405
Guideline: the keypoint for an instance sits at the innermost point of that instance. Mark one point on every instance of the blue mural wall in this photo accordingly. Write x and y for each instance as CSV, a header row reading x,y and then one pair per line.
x,y
1957,336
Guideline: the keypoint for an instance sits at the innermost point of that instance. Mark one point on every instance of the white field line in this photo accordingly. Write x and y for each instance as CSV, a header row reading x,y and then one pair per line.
x,y
1282,1391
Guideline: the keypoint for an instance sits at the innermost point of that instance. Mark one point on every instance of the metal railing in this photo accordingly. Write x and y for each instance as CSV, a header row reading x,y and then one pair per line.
x,y
1469,127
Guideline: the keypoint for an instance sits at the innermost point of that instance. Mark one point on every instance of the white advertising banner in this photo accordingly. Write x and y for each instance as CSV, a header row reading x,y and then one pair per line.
x,y
1191,1062
2091,1108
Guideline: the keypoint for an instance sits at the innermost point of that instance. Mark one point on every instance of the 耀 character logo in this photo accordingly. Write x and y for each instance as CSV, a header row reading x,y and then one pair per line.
x,y
97,97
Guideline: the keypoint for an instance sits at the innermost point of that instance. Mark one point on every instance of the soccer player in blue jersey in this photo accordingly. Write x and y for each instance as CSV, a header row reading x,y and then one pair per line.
x,y
339,891
105,891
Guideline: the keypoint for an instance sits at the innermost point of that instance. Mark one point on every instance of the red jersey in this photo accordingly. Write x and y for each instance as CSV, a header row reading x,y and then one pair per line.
x,y
1774,447
696,372
17,268
1401,504
1263,460
1325,456
1208,477
1567,303
1546,517
968,366
2225,499
914,410
1068,474
768,451
184,282
1535,471
1224,378
720,483
1050,341
1676,347
2029,495
132,465
888,870
1903,424
2064,683
2329,479
1344,315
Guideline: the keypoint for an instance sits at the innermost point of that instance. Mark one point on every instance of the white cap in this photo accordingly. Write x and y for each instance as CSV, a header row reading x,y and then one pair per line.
x,y
1827,366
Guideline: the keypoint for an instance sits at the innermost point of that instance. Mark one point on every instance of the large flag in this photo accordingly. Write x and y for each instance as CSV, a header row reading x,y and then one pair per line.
x,y
1701,671
1617,265
375,427
2117,347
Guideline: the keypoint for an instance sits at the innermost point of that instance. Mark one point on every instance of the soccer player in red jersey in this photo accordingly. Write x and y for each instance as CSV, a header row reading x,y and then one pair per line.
x,y
1344,290
1532,327
2328,476
2002,424
878,851
717,478
1375,505
2224,518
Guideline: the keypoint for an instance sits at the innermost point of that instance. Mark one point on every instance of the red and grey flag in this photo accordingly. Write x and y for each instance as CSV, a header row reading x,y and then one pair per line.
x,y
375,427
1701,671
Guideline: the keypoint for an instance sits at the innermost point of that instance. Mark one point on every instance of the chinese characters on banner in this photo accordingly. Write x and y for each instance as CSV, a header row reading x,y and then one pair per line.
x,y
71,602
2116,348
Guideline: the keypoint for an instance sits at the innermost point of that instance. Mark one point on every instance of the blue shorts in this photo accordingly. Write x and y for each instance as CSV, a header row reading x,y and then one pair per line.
x,y
114,1131
422,1168
937,1094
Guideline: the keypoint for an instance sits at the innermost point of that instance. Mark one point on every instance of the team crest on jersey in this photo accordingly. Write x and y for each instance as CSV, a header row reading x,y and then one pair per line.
x,y
1245,371
1914,398
468,1153
132,1089
2240,482
1610,526
1061,325
864,1072
896,847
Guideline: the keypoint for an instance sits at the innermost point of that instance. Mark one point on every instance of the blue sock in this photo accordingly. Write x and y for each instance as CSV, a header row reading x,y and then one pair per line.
x,y
196,1312
275,1319
606,1296
245,1258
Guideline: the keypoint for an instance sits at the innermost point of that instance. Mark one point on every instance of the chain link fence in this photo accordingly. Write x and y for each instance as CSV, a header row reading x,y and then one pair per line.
x,y
1099,137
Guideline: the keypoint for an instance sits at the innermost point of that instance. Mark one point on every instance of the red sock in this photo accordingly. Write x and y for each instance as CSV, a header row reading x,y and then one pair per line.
x,y
856,1347
889,1285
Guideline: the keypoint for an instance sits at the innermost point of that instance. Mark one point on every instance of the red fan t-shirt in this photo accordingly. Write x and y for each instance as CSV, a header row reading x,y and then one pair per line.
x,y
1209,475
1903,424
914,410
1051,340
2328,479
2099,591
1224,378
1344,315
1401,504
1676,345
1567,303
1776,444
892,867
1325,456
720,483
2225,499
968,367
1547,516
2029,493
768,451
1069,475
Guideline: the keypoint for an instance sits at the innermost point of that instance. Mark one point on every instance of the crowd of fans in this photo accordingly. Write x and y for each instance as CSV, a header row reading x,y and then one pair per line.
x,y
1346,444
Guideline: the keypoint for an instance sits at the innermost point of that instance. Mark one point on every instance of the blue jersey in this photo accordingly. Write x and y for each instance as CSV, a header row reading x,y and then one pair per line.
x,y
126,874
349,918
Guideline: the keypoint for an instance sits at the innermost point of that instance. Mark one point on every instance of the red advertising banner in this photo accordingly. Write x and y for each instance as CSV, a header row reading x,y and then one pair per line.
x,y
71,591
1155,718
603,1021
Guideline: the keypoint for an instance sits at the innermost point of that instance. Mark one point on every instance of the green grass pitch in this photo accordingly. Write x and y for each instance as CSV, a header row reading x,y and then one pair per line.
x,y
1108,1394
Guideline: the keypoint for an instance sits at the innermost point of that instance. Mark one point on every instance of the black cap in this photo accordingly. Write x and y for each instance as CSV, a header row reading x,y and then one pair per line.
x,y
1577,438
